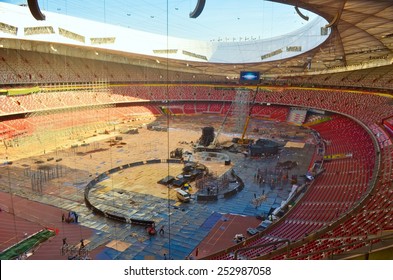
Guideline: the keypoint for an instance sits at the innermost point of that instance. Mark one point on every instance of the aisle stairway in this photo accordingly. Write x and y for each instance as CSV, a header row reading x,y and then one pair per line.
x,y
297,116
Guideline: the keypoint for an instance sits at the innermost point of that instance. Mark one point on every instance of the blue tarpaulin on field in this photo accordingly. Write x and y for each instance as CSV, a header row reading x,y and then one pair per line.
x,y
211,221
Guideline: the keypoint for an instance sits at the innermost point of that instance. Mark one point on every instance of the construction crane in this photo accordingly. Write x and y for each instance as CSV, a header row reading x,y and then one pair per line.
x,y
243,140
214,143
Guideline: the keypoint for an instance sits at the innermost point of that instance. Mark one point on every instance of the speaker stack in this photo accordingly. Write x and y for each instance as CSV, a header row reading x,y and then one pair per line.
x,y
207,136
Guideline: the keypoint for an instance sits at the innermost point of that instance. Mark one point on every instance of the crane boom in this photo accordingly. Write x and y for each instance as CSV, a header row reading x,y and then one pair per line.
x,y
222,125
242,140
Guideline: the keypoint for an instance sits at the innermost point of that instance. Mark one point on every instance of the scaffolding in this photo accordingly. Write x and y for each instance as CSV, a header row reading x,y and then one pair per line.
x,y
241,108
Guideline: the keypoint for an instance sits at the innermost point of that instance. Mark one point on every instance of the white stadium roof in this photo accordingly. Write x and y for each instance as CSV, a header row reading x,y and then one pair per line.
x,y
58,28
357,34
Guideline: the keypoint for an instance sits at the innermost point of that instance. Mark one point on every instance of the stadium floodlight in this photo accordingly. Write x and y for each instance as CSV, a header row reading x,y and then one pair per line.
x,y
198,9
35,10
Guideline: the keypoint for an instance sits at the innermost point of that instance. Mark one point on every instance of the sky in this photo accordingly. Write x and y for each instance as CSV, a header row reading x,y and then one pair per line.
x,y
221,20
